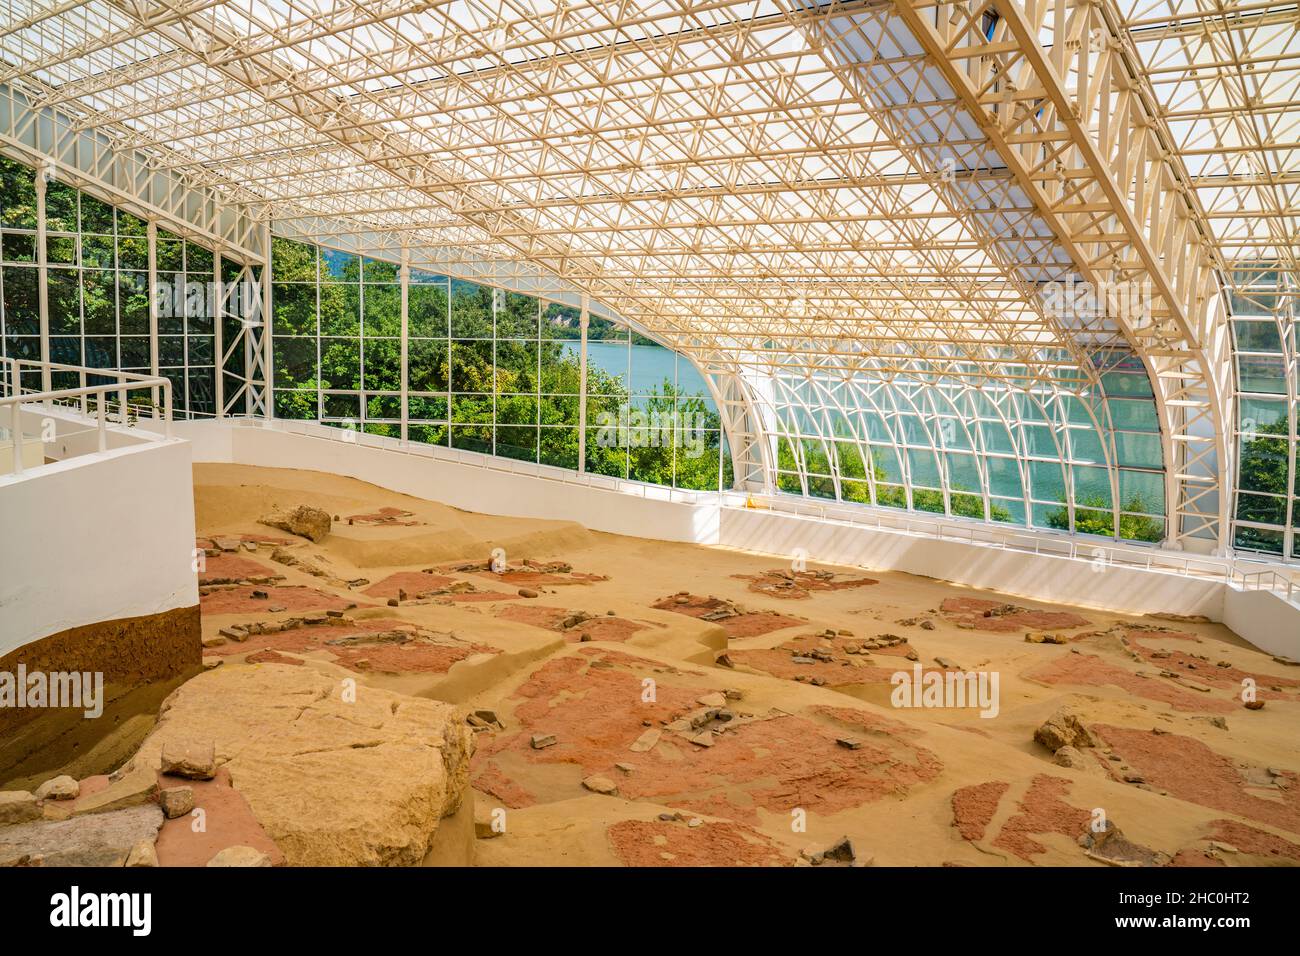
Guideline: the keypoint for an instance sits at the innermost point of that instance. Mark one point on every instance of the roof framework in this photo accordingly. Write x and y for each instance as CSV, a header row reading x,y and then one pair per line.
x,y
887,187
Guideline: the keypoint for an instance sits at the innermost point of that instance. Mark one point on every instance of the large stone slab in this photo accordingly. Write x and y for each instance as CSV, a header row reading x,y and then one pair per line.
x,y
95,839
332,782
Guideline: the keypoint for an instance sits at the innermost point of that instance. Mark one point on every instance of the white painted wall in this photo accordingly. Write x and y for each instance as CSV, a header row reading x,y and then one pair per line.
x,y
1264,619
99,537
1273,625
472,488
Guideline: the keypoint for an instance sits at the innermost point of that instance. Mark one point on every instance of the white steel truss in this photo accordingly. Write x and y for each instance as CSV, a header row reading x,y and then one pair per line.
x,y
881,193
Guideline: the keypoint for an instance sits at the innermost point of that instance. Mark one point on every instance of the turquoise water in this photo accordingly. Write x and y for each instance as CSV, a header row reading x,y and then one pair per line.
x,y
645,368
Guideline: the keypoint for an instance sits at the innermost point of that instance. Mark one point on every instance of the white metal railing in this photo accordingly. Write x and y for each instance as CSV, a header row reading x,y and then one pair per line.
x,y
1250,575
85,398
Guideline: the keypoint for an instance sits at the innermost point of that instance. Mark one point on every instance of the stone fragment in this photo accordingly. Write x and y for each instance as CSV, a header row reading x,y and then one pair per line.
x,y
240,856
93,839
18,806
712,700
1254,705
705,739
192,759
1064,729
527,593
841,851
59,788
304,521
1110,846
176,801
602,785
646,741
1041,637
1076,759
143,854
542,741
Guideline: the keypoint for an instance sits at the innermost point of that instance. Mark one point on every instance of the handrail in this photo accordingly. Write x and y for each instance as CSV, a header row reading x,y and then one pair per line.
x,y
123,383
1058,545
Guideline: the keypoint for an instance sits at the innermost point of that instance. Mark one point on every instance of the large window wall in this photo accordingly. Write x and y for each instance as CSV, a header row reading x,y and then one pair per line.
x,y
1267,355
1068,458
488,370
97,260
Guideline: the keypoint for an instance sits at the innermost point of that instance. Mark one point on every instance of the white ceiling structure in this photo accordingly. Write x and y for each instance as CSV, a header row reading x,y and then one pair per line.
x,y
881,188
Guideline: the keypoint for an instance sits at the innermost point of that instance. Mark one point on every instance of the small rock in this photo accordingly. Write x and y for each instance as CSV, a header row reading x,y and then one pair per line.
x,y
598,784
1064,729
59,788
712,700
814,853
190,759
694,822
646,741
176,801
18,806
211,663
841,851
1040,637
1070,756
216,640
143,854
1254,705
240,856
542,741
527,593
705,739
849,743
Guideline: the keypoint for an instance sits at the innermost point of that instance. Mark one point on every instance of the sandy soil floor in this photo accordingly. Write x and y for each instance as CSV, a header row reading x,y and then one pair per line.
x,y
656,704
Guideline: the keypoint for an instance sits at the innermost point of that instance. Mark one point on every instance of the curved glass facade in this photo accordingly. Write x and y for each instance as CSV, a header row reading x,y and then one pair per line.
x,y
1049,456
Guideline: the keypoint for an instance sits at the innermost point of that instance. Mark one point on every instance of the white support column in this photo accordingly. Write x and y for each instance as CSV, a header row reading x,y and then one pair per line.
x,y
218,335
151,235
404,274
268,342
583,319
43,275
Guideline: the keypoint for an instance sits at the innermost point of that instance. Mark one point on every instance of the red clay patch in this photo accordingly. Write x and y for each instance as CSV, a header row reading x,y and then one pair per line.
x,y
1191,771
1248,839
724,843
799,585
736,622
998,616
229,569
1042,810
269,656
596,712
229,821
291,598
414,583
973,807
1088,670
842,670
1208,672
423,653
391,517
601,628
